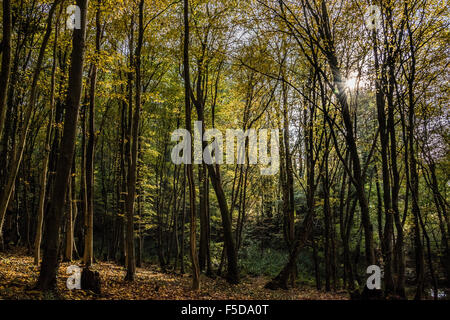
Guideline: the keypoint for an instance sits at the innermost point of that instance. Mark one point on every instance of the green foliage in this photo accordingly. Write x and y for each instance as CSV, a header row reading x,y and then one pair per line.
x,y
258,261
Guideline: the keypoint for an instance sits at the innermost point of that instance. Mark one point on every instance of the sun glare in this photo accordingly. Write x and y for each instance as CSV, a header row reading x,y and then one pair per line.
x,y
351,83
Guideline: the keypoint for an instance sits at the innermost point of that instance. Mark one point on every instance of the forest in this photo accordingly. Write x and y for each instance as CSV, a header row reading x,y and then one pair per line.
x,y
332,116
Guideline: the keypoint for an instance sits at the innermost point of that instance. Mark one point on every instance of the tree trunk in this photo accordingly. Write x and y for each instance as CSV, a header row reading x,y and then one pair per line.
x,y
90,151
384,143
202,179
131,262
50,263
349,135
189,168
43,180
6,62
281,280
183,220
68,253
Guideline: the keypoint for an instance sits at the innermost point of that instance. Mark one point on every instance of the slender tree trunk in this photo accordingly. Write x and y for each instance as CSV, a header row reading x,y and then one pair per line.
x,y
90,151
6,62
288,185
50,263
281,280
349,135
131,262
189,168
83,182
214,174
232,270
43,180
139,209
183,219
202,175
384,143
316,264
123,183
74,209
68,253
209,270
414,177
327,218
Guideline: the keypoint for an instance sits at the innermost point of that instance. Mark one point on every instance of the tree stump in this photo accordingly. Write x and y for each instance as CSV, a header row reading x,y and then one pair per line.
x,y
90,280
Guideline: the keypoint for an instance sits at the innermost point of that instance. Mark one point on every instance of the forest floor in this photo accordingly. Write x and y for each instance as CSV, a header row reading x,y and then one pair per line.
x,y
18,275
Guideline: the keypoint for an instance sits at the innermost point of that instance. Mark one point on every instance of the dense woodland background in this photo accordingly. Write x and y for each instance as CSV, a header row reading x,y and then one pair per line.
x,y
86,117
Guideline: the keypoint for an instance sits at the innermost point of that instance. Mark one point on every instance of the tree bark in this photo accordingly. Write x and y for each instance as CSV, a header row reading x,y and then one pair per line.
x,y
50,261
43,180
6,61
189,168
131,261
90,150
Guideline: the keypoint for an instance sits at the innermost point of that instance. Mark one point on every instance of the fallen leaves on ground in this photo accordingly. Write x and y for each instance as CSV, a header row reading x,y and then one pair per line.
x,y
18,276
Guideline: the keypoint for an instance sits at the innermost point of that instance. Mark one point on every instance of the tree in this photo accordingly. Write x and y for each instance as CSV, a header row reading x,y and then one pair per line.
x,y
50,261
89,239
6,61
189,169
